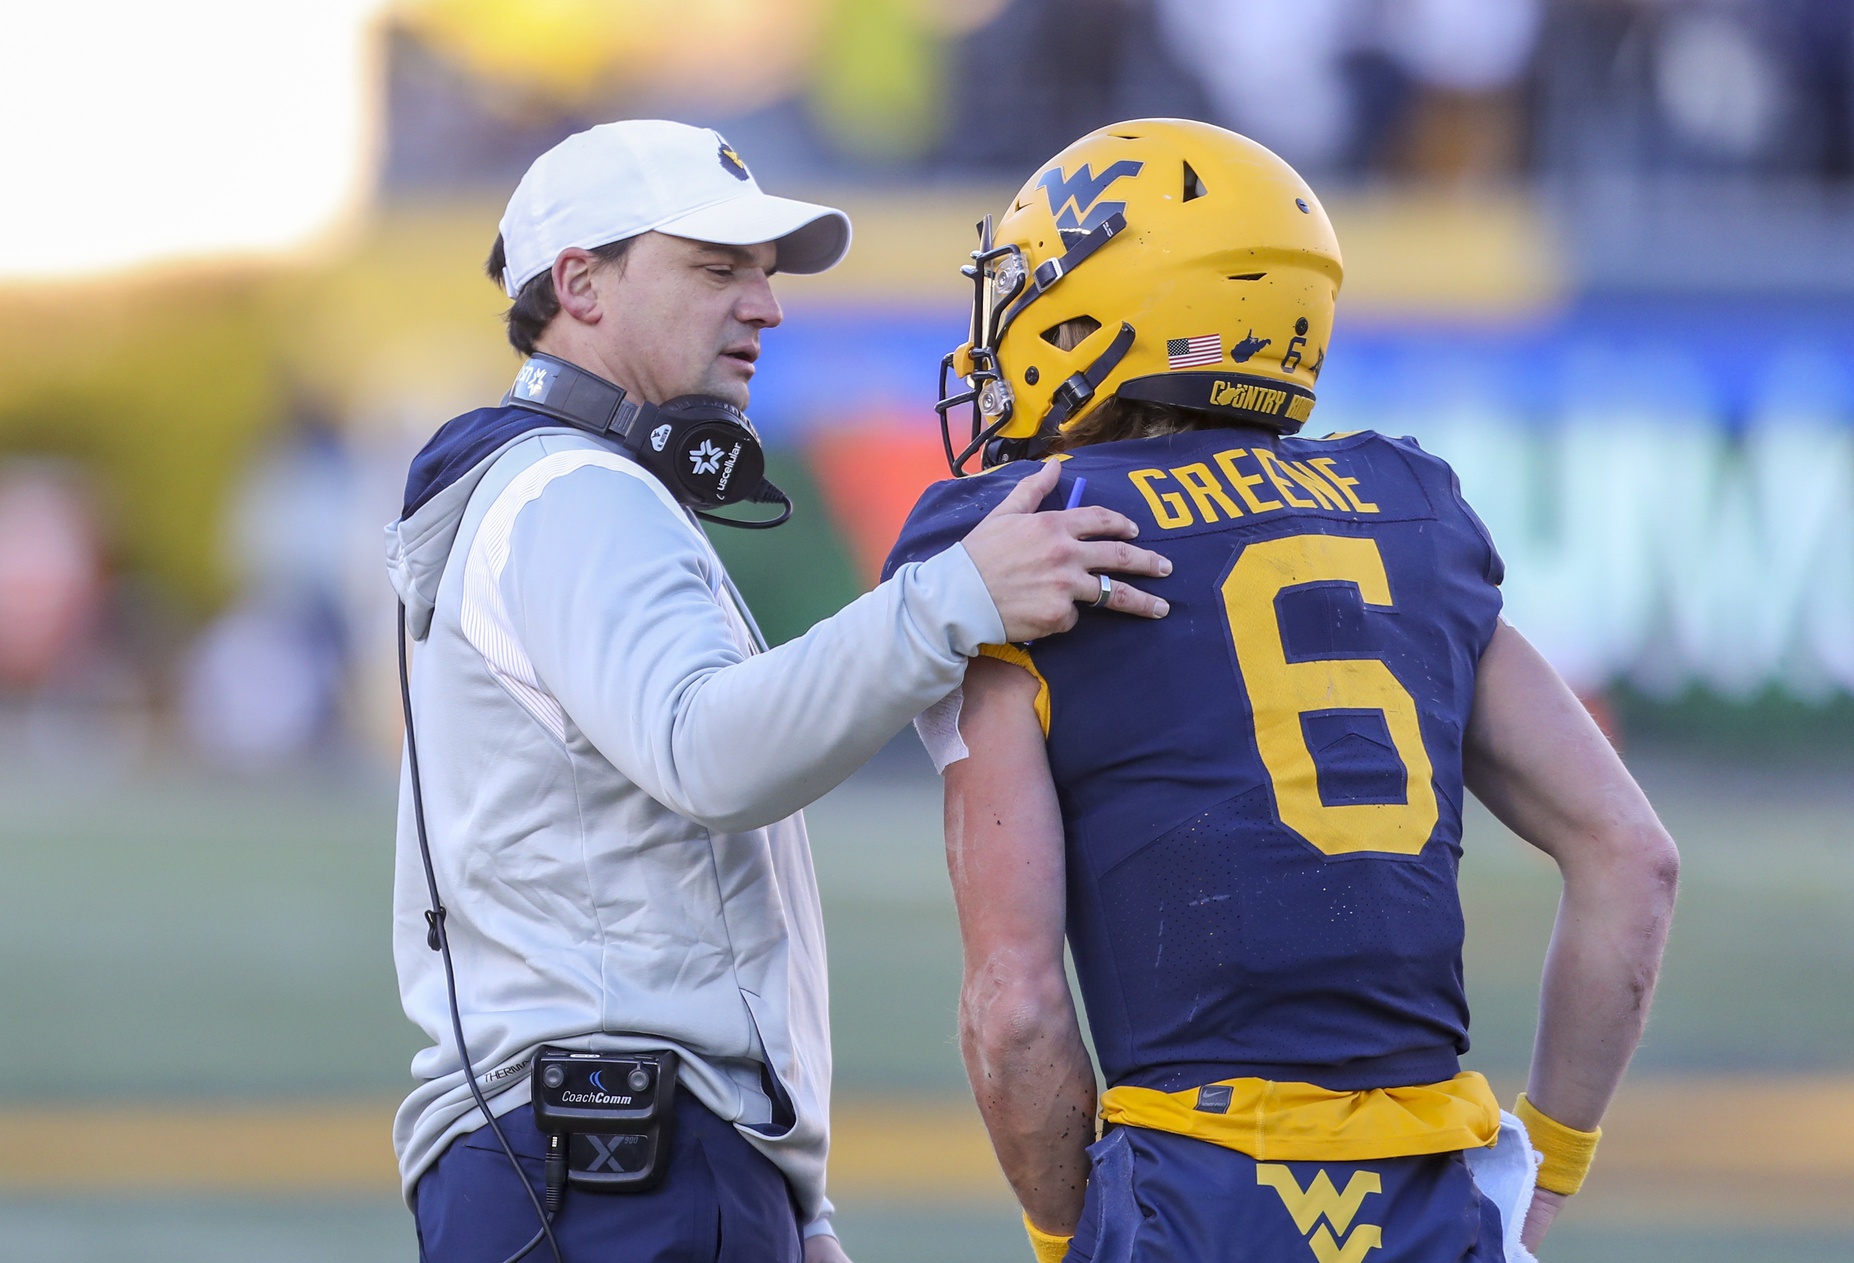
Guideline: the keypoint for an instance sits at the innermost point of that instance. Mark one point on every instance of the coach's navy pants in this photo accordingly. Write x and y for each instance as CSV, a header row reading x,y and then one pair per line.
x,y
721,1201
1154,1197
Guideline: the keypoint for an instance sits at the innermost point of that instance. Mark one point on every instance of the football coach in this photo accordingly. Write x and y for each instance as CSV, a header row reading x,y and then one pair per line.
x,y
608,764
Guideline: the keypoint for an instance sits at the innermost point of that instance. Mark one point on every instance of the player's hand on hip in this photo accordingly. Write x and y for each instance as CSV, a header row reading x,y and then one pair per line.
x,y
1038,566
824,1248
1545,1207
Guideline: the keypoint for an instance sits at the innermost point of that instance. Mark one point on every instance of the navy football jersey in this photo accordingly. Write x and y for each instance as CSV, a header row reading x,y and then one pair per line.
x,y
1262,792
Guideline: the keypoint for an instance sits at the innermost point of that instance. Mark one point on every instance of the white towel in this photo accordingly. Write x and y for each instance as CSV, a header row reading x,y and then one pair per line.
x,y
1506,1173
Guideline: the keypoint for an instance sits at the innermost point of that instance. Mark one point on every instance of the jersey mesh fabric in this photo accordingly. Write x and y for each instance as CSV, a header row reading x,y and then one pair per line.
x,y
1211,938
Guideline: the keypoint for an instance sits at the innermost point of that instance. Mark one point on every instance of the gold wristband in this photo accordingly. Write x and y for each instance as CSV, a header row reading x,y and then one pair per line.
x,y
1048,1247
1567,1151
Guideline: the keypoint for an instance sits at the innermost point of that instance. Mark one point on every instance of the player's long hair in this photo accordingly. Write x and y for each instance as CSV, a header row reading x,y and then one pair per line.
x,y
1114,418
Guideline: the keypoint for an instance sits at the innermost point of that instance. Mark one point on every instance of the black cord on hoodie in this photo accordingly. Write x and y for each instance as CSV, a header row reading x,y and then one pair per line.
x,y
439,942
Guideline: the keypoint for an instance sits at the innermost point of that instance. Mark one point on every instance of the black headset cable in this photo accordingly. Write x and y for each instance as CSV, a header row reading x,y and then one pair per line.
x,y
438,941
765,493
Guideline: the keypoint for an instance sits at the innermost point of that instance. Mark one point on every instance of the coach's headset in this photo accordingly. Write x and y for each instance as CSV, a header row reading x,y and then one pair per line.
x,y
703,449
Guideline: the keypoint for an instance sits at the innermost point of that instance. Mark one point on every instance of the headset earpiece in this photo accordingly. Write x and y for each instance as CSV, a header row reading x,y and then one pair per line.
x,y
703,449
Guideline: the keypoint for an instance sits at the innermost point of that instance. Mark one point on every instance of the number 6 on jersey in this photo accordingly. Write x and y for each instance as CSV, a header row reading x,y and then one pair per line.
x,y
1280,692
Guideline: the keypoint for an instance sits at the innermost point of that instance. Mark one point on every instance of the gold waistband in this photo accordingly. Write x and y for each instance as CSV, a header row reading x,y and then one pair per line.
x,y
1298,1122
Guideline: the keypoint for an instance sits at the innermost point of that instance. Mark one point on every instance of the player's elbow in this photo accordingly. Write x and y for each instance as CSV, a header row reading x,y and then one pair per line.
x,y
1643,879
1655,865
1661,862
1641,857
1631,869
1622,844
1005,1011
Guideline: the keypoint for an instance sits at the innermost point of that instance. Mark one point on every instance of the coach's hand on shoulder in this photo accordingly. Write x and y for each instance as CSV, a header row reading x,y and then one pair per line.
x,y
824,1249
1037,566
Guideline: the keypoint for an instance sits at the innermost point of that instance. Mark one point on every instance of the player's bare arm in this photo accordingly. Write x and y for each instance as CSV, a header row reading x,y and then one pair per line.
x,y
1017,1024
1537,760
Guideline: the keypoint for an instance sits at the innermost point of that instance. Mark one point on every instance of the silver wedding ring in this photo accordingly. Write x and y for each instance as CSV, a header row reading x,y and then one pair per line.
x,y
1107,590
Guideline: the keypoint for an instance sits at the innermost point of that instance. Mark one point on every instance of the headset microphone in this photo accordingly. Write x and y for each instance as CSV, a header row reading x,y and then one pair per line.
x,y
703,449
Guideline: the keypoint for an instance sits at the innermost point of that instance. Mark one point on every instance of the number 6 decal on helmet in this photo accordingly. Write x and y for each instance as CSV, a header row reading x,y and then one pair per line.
x,y
1280,692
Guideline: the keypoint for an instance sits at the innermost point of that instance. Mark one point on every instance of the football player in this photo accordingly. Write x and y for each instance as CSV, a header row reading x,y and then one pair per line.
x,y
1247,820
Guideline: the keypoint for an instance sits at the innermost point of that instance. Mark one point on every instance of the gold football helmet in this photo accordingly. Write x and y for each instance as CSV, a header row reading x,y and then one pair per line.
x,y
1162,260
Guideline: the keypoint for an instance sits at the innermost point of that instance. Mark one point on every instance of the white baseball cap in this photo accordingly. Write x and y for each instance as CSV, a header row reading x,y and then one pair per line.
x,y
617,180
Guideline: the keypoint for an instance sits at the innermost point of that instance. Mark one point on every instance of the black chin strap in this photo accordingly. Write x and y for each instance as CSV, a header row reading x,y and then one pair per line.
x,y
1050,271
1080,387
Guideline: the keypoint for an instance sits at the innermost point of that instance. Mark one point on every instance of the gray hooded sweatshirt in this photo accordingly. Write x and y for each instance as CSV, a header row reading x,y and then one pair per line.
x,y
613,768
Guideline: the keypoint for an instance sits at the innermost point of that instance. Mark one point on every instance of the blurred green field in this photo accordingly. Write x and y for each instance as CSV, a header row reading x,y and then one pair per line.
x,y
180,939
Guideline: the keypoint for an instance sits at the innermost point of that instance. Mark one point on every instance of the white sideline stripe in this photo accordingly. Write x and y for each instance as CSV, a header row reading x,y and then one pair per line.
x,y
485,616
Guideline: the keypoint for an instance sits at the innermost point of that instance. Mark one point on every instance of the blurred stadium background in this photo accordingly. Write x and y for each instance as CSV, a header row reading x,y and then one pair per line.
x,y
1600,254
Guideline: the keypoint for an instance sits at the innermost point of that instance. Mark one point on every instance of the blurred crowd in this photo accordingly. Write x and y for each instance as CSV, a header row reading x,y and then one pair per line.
x,y
290,654
98,673
1424,89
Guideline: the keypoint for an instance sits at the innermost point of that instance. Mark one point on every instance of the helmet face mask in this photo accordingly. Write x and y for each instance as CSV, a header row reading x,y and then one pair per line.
x,y
1138,258
1001,275
1003,272
998,275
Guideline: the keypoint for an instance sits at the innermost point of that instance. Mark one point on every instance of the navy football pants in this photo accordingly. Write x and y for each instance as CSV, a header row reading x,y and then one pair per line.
x,y
1154,1197
721,1201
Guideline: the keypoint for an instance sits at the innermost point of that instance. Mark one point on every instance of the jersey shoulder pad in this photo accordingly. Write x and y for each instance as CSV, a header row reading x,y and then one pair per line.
x,y
1432,468
948,510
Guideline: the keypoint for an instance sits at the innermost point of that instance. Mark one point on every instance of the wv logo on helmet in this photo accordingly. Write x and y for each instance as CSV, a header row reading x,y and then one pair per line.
x,y
1072,198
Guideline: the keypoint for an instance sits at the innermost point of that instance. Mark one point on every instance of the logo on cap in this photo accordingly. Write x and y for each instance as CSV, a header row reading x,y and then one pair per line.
x,y
731,163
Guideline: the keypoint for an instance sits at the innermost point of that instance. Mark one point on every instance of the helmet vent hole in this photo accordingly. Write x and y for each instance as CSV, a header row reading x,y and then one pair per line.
x,y
1248,276
1193,186
1070,333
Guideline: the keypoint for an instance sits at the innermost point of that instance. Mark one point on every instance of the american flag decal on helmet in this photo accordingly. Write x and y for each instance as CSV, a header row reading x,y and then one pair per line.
x,y
1194,352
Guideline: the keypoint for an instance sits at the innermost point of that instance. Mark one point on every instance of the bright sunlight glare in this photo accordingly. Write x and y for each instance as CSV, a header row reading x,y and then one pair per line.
x,y
143,131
